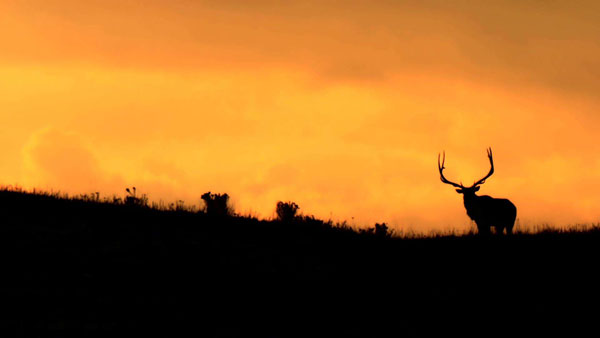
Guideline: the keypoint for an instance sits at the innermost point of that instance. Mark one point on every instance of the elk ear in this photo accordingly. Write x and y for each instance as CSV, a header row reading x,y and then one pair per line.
x,y
476,189
459,191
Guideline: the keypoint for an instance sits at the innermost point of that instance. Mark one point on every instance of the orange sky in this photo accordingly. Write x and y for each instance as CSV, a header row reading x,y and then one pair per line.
x,y
340,106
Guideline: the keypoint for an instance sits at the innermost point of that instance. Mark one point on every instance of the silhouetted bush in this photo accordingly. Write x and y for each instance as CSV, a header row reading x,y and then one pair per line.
x,y
382,230
379,231
217,204
134,200
286,211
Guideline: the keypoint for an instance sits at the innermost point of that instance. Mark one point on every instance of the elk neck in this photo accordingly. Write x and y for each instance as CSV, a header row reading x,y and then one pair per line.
x,y
469,198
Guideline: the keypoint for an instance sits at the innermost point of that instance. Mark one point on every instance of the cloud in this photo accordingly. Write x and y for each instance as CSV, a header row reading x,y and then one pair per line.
x,y
549,45
56,159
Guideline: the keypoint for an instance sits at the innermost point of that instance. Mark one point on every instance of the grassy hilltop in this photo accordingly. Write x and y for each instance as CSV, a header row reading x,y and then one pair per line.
x,y
90,266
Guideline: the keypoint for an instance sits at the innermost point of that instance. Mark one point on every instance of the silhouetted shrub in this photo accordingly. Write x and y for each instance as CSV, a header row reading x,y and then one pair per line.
x,y
133,199
379,231
286,211
217,204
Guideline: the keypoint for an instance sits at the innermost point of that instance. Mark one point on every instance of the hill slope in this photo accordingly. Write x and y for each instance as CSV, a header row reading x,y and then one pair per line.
x,y
73,267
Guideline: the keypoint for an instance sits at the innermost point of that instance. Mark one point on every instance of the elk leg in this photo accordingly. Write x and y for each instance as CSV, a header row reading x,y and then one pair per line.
x,y
483,229
509,230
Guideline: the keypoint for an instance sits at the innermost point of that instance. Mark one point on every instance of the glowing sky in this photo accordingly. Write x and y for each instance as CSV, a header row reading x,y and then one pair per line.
x,y
340,106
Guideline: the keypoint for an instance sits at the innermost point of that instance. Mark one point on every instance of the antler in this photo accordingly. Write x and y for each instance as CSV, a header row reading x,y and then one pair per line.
x,y
481,181
441,168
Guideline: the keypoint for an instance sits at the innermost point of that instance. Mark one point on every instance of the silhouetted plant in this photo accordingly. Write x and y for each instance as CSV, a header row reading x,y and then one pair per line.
x,y
93,197
379,231
133,199
286,211
217,204
382,230
179,206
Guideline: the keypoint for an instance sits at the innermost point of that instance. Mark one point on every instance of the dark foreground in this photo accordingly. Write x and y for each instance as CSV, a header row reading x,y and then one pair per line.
x,y
74,268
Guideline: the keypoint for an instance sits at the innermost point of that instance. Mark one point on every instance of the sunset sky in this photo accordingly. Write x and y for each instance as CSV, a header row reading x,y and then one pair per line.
x,y
340,106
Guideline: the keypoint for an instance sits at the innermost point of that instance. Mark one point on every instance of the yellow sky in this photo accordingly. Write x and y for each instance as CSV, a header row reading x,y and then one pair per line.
x,y
340,106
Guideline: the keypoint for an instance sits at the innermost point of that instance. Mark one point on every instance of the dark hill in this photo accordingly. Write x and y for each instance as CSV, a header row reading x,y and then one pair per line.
x,y
80,268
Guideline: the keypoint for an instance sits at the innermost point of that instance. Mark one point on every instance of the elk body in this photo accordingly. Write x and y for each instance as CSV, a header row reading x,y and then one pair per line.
x,y
485,211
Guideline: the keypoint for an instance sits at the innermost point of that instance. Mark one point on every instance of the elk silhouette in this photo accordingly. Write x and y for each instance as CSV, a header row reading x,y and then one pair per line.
x,y
486,211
